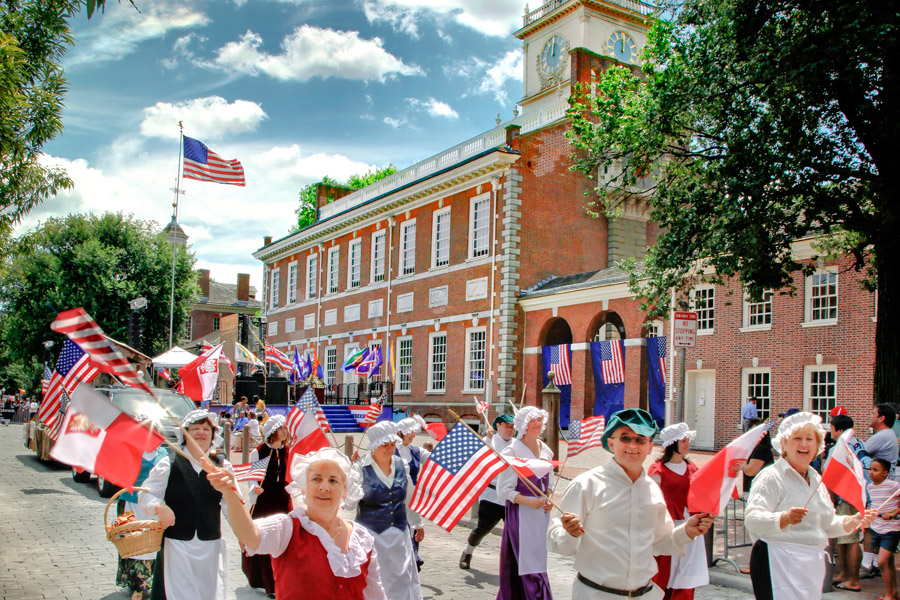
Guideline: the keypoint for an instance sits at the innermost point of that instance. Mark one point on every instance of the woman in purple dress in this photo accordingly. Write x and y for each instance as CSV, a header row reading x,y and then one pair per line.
x,y
523,549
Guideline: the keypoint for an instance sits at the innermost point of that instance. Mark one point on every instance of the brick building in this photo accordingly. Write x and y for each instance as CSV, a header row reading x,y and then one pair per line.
x,y
216,301
471,261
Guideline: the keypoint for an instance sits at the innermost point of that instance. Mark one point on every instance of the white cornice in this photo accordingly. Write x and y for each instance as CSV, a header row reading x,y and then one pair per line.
x,y
598,293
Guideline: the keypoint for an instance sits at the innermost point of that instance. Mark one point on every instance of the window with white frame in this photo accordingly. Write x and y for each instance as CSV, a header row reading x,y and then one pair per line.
x,y
758,384
479,225
704,303
476,358
354,269
440,238
378,244
330,364
276,276
822,296
292,283
408,247
404,363
437,361
655,329
312,275
758,314
820,390
334,258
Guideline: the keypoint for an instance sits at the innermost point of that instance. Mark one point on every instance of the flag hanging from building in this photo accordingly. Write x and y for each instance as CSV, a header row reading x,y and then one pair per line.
x,y
656,378
371,363
309,403
277,357
558,358
45,380
354,360
612,356
72,367
81,328
253,471
559,364
453,477
203,164
585,434
609,378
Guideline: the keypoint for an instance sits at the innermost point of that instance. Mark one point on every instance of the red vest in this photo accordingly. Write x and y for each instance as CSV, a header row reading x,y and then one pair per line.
x,y
302,572
674,487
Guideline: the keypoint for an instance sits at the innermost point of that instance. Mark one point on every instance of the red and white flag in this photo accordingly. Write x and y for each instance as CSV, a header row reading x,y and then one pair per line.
x,y
481,406
714,483
528,467
436,429
844,473
200,376
98,437
306,435
222,357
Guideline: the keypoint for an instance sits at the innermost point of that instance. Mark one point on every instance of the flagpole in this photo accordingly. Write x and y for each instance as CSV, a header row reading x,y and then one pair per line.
x,y
177,189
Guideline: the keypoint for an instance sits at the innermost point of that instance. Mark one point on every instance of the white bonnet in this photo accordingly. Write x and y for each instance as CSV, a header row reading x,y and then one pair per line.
x,y
527,414
408,425
384,432
272,426
301,462
200,414
673,433
795,422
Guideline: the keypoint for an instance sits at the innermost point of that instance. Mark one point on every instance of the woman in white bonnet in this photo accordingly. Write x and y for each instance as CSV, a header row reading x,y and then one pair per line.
x,y
523,548
315,553
791,516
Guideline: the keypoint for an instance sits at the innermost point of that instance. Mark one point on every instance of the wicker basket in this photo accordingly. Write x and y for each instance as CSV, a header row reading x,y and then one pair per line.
x,y
135,537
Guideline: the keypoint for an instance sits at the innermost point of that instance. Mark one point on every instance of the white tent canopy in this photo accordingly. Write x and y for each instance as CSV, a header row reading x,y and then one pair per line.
x,y
173,358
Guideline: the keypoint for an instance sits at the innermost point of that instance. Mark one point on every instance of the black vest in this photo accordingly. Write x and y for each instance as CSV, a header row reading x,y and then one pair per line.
x,y
197,506
274,499
380,507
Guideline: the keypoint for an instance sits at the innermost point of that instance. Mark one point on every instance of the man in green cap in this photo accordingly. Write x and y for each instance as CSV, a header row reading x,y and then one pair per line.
x,y
490,508
615,519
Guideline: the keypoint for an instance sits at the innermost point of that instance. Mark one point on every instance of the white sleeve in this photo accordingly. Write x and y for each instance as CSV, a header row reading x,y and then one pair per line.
x,y
507,480
760,517
574,501
274,534
415,519
227,465
358,475
374,589
155,484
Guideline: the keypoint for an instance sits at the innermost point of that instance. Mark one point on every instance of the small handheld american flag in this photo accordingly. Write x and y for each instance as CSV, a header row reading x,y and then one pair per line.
x,y
255,471
585,434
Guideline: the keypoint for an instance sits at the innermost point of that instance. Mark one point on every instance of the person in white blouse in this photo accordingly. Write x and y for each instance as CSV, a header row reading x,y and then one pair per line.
x,y
315,553
191,564
615,518
791,516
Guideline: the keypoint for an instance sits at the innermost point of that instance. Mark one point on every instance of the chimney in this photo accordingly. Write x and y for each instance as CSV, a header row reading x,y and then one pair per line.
x,y
267,240
243,287
204,283
512,136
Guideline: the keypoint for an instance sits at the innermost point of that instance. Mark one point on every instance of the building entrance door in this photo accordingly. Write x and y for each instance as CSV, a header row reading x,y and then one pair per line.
x,y
700,406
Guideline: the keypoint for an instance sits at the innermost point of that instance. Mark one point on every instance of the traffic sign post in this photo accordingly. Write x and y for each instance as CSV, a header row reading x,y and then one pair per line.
x,y
684,336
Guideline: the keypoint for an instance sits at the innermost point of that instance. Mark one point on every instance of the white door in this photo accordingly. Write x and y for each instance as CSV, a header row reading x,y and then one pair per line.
x,y
700,406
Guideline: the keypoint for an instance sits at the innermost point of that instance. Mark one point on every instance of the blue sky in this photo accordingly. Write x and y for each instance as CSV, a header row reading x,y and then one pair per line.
x,y
294,89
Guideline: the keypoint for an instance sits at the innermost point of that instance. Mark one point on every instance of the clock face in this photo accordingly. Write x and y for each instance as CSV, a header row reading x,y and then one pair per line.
x,y
553,56
622,48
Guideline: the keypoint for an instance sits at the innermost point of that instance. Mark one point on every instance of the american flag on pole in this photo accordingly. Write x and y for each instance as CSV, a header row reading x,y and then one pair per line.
x,y
72,367
453,477
57,427
164,373
585,434
307,403
203,164
612,365
254,471
81,328
559,364
45,380
661,349
375,410
276,356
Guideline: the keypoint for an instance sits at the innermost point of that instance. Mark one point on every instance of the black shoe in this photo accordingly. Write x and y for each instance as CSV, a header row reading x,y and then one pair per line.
x,y
465,561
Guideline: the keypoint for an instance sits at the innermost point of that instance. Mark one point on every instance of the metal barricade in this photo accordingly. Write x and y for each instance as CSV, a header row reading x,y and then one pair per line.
x,y
734,534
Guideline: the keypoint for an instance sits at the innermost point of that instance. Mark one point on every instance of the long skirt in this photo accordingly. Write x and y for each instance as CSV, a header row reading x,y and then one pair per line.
x,y
519,579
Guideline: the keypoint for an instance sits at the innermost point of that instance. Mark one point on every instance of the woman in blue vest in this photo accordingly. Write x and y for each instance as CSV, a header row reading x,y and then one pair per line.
x,y
415,457
387,488
191,564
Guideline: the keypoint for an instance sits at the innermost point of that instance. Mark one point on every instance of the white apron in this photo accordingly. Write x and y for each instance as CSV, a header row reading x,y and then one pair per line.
x,y
797,571
399,575
194,569
533,526
689,572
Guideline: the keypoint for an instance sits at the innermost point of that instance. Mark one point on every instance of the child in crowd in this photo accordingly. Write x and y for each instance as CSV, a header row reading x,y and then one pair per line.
x,y
885,528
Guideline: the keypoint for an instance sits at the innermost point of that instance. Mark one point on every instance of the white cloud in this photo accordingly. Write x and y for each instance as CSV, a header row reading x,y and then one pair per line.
x,y
122,29
209,118
182,52
508,68
434,107
311,52
395,123
492,17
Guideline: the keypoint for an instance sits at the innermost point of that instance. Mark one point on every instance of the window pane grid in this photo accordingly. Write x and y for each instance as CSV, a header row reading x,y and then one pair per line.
x,y
292,284
476,360
332,271
275,284
704,305
312,267
758,386
404,365
438,370
330,365
760,313
822,392
442,239
355,263
823,296
480,228
378,257
408,253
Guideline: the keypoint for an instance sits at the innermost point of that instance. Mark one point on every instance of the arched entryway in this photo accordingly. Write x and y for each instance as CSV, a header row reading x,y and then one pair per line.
x,y
556,332
605,326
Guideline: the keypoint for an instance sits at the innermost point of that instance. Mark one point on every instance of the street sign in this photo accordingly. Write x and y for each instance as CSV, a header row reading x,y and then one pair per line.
x,y
138,303
685,330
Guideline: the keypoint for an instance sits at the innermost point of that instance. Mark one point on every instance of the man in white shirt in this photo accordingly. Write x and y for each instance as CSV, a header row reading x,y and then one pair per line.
x,y
615,518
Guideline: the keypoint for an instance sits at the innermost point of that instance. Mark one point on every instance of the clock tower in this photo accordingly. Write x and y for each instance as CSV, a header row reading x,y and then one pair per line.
x,y
570,41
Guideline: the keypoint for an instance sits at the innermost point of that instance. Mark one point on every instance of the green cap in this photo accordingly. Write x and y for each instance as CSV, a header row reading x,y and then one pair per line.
x,y
638,419
503,419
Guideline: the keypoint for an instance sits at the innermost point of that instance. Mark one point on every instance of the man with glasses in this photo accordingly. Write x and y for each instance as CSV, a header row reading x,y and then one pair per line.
x,y
615,519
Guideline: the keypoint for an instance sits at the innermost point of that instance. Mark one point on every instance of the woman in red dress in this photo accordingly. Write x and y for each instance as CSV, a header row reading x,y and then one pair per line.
x,y
678,575
316,554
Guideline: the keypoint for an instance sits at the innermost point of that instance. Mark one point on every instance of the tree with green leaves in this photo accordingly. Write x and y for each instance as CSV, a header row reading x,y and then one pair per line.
x,y
99,262
752,125
307,212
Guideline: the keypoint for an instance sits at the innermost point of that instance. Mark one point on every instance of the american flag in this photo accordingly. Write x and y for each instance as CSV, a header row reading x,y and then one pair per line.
x,y
203,164
306,403
84,331
559,364
63,406
611,363
585,434
661,349
274,355
375,410
453,477
481,406
164,373
255,471
45,381
72,368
